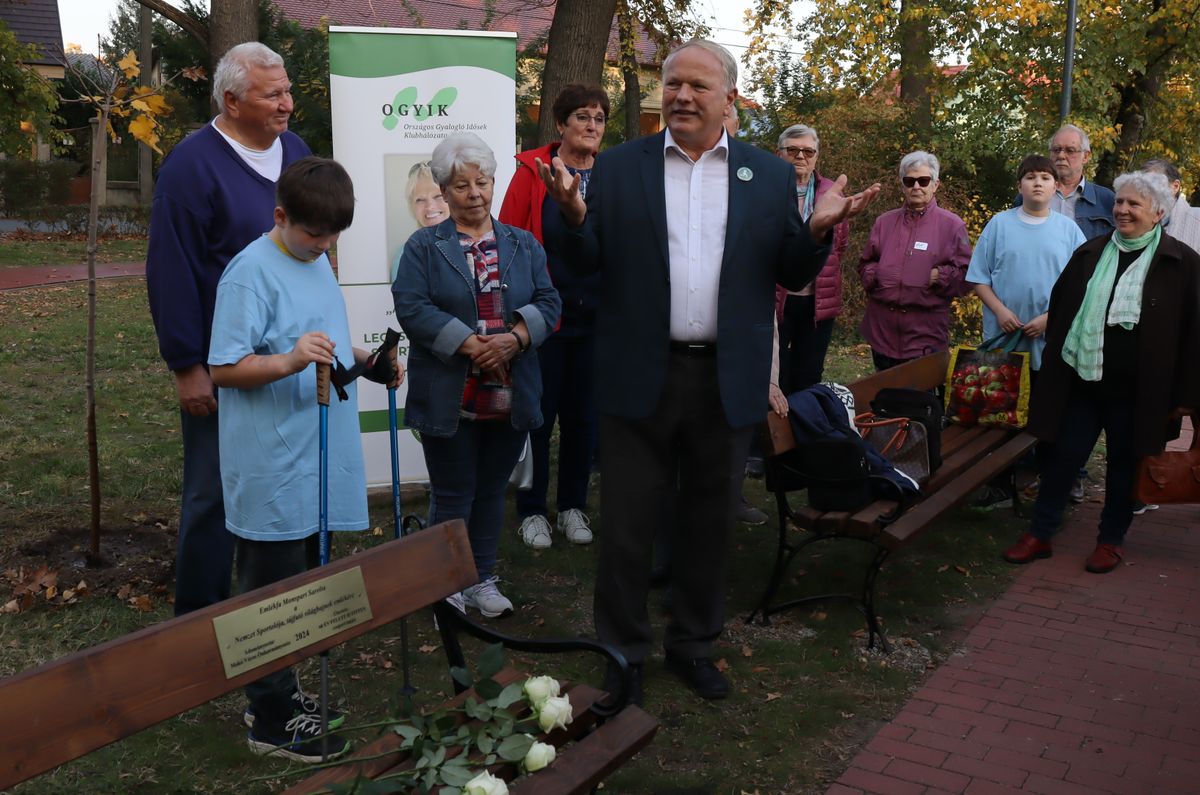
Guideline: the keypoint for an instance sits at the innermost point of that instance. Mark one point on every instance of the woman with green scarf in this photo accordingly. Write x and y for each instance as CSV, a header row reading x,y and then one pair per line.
x,y
1121,353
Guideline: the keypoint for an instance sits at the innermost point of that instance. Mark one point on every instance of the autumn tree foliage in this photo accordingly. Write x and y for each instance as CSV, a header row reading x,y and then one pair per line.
x,y
1135,88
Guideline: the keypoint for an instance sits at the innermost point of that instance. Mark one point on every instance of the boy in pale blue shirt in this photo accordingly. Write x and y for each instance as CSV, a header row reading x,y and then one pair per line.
x,y
1014,266
279,312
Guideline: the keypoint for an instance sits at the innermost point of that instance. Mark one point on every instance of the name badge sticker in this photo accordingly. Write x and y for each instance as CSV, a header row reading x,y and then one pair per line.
x,y
919,246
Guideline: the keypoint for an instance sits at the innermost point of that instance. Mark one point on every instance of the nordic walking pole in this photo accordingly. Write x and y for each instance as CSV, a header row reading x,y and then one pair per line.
x,y
407,691
323,374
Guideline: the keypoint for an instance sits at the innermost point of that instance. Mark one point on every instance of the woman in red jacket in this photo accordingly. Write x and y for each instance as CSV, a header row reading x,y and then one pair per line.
x,y
566,358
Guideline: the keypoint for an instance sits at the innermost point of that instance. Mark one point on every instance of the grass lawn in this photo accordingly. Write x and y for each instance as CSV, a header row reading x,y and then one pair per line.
x,y
32,249
806,694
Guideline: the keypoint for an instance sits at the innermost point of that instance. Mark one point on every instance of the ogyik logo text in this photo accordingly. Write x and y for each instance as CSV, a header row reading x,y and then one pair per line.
x,y
405,105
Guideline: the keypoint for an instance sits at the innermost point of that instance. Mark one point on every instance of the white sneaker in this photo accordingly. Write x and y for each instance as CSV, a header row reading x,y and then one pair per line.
x,y
487,599
535,531
574,524
456,601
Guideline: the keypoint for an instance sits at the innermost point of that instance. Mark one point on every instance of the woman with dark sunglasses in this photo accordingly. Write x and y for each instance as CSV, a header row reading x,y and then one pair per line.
x,y
912,267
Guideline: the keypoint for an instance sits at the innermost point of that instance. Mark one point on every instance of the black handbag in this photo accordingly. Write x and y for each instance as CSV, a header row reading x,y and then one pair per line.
x,y
919,405
835,472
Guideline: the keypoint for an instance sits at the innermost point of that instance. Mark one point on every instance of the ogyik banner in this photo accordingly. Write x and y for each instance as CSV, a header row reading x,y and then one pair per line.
x,y
395,94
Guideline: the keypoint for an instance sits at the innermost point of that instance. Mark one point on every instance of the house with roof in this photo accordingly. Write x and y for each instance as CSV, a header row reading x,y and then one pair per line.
x,y
37,22
529,19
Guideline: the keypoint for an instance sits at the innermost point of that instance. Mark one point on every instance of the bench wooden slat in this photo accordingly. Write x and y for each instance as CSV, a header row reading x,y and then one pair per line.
x,y
89,699
864,523
956,436
981,444
927,372
584,765
937,503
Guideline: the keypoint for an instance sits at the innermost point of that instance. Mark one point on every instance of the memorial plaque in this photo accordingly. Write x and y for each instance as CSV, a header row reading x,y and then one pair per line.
x,y
284,623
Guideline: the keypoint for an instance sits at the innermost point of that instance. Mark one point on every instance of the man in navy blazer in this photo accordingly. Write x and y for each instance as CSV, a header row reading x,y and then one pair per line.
x,y
690,230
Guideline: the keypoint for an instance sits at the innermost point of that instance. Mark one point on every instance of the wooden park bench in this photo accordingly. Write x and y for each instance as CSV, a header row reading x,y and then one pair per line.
x,y
97,696
971,457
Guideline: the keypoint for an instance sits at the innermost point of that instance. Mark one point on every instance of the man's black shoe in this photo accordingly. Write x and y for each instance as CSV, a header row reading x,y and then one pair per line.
x,y
612,682
700,675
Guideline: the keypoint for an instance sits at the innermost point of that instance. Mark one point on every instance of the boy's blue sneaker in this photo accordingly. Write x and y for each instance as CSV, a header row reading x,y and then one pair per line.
x,y
298,738
305,705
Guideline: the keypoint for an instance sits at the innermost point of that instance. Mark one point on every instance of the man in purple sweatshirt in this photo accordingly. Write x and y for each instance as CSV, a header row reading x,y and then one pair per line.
x,y
215,195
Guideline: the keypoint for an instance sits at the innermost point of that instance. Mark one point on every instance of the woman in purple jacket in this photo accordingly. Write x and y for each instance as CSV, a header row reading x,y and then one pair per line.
x,y
806,316
913,265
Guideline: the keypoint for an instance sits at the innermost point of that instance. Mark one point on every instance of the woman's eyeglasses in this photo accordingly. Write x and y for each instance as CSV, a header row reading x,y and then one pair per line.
x,y
922,181
584,118
795,151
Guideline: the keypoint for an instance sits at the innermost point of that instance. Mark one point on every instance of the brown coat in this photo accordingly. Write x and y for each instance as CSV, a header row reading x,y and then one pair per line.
x,y
1168,344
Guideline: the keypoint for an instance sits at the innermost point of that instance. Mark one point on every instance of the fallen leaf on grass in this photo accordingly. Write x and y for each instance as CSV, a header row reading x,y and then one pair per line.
x,y
124,591
427,648
140,603
722,665
819,616
377,531
847,715
943,567
747,651
758,669
773,696
963,570
11,606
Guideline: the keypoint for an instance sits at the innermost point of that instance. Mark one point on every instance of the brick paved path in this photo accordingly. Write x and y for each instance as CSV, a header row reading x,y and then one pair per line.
x,y
1071,683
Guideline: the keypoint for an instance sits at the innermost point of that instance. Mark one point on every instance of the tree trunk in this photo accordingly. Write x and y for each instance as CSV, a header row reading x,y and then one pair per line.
x,y
1132,119
146,78
916,67
574,53
230,22
629,72
99,172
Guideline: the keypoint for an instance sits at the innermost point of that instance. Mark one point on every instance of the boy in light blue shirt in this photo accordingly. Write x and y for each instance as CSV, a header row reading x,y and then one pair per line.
x,y
279,312
1020,256
1014,266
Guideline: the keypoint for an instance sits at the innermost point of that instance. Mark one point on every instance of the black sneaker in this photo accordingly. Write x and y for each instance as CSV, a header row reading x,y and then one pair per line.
x,y
992,497
298,738
304,705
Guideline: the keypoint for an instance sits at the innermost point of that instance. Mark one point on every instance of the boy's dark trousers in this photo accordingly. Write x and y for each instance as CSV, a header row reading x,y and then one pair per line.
x,y
261,563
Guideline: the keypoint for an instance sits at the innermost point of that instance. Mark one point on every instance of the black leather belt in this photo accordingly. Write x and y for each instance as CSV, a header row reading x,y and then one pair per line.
x,y
694,348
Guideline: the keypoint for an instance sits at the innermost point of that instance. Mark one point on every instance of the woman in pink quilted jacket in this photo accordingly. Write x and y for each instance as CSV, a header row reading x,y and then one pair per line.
x,y
806,315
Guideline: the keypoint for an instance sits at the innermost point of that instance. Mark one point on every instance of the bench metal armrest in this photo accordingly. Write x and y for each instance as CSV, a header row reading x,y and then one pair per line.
x,y
451,622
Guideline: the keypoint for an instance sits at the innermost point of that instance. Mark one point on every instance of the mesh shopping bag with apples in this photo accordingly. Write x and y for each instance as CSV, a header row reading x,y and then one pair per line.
x,y
988,384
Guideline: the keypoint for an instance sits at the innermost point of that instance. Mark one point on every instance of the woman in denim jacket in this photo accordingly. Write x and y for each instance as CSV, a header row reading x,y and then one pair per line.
x,y
475,300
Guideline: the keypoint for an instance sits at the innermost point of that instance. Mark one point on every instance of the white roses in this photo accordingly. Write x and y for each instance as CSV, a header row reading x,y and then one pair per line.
x,y
554,713
538,756
485,784
540,688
